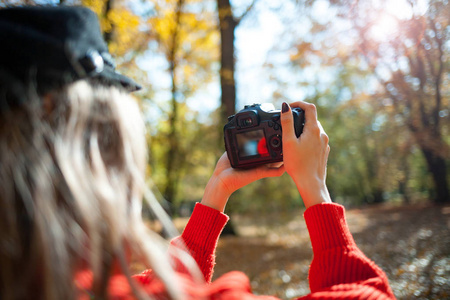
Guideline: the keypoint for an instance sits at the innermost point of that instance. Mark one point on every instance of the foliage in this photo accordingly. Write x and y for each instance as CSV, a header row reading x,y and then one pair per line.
x,y
378,73
380,79
186,36
118,19
196,151
195,43
411,67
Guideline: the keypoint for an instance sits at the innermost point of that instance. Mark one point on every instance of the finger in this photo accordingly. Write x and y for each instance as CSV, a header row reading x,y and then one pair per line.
x,y
287,123
223,163
265,171
224,157
277,172
310,112
322,133
275,165
320,127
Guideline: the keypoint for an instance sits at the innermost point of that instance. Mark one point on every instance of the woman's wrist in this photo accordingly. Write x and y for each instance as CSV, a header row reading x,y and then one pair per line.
x,y
313,192
215,195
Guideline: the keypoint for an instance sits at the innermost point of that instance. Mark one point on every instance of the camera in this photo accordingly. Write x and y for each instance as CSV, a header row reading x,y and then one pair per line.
x,y
253,135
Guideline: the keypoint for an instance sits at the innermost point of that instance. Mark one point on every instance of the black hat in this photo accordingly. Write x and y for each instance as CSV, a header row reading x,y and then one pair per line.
x,y
53,46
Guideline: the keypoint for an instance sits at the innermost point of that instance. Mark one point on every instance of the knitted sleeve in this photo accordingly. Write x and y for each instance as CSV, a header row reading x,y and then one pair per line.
x,y
340,270
200,237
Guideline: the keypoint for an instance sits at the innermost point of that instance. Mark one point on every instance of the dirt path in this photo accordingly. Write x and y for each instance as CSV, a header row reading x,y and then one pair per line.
x,y
410,243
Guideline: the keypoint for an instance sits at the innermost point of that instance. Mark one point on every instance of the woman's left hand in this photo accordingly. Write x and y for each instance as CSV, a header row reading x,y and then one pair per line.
x,y
226,180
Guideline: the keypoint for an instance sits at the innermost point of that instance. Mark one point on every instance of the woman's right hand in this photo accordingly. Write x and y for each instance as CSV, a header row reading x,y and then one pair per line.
x,y
226,180
305,158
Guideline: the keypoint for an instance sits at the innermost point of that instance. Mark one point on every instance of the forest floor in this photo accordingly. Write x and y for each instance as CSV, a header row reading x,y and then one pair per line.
x,y
410,243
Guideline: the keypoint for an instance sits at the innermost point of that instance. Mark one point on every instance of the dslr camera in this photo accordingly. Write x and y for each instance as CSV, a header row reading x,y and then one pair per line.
x,y
253,135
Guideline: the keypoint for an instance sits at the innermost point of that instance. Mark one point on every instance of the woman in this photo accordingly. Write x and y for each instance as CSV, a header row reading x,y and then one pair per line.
x,y
71,171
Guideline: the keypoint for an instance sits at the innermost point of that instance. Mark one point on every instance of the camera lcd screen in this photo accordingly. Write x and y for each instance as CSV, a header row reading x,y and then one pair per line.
x,y
252,143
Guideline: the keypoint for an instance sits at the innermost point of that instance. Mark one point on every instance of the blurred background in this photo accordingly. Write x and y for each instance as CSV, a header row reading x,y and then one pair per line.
x,y
378,72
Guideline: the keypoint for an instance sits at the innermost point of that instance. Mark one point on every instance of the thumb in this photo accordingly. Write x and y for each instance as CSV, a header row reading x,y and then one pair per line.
x,y
266,171
287,122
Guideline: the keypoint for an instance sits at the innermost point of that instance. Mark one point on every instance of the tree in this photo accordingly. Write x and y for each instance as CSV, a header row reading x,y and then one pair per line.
x,y
400,52
228,23
184,31
415,59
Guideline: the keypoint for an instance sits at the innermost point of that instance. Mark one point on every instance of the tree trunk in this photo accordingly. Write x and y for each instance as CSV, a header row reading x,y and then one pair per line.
x,y
227,25
172,155
403,190
403,182
377,196
108,36
172,151
437,167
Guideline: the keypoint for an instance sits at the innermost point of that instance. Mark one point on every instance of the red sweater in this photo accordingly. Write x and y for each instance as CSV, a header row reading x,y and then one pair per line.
x,y
339,270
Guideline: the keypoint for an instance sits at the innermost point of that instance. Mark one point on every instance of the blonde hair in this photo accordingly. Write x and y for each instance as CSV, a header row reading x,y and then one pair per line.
x,y
71,186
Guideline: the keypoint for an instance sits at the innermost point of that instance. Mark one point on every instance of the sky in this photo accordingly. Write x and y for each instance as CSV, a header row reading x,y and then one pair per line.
x,y
255,39
256,36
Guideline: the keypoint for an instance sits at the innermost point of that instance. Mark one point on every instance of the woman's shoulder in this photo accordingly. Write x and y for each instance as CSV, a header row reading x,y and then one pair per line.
x,y
232,285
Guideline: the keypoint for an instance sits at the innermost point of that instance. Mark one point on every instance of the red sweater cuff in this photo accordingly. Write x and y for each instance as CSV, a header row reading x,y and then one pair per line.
x,y
327,227
204,228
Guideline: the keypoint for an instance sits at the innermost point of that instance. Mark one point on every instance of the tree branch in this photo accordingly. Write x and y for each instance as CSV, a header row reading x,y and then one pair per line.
x,y
245,13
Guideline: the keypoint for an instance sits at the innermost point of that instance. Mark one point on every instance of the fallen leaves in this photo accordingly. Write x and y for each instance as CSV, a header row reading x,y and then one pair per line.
x,y
410,243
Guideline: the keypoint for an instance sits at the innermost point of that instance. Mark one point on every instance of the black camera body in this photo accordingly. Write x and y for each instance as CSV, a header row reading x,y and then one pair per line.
x,y
253,135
